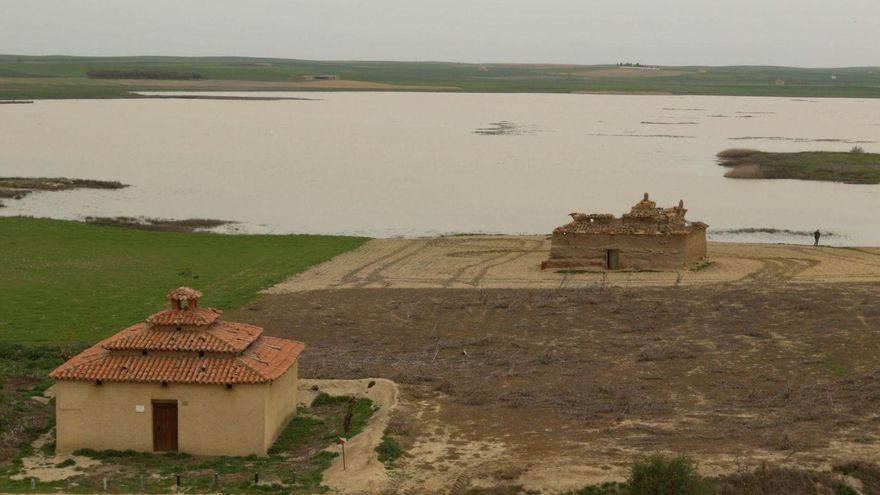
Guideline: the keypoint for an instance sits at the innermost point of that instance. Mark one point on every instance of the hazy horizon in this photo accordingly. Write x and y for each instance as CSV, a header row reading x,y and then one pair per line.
x,y
488,62
793,33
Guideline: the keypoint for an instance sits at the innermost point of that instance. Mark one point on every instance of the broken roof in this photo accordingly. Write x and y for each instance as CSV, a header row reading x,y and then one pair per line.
x,y
645,218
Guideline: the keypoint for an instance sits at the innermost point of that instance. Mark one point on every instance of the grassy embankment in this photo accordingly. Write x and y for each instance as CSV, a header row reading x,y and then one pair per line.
x,y
66,284
27,77
833,166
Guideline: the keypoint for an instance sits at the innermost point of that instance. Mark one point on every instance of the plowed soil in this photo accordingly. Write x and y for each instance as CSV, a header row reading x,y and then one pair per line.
x,y
552,389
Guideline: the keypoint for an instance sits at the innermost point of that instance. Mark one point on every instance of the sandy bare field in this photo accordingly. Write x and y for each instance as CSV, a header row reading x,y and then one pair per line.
x,y
514,262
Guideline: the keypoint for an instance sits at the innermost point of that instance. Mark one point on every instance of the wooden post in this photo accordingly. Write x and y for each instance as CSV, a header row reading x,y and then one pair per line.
x,y
342,441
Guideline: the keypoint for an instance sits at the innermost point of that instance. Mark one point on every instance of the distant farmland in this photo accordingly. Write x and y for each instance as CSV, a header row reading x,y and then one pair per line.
x,y
26,77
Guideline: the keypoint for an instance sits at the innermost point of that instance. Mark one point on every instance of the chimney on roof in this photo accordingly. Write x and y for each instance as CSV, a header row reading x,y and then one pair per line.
x,y
184,298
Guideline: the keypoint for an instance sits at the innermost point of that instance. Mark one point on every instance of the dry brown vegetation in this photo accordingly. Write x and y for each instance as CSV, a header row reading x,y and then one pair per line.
x,y
581,380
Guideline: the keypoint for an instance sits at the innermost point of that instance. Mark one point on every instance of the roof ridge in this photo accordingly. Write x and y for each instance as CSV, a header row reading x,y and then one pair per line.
x,y
218,339
90,355
267,340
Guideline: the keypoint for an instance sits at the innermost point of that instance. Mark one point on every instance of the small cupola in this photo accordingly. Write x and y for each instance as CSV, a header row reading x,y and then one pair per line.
x,y
184,298
184,311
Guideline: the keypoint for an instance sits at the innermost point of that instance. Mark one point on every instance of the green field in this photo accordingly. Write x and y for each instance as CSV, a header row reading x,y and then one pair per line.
x,y
832,166
29,77
66,283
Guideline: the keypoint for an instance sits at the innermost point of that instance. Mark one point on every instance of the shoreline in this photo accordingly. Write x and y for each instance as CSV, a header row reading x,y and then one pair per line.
x,y
236,228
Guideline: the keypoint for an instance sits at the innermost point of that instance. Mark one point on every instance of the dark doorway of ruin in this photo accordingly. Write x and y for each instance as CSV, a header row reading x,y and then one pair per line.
x,y
612,259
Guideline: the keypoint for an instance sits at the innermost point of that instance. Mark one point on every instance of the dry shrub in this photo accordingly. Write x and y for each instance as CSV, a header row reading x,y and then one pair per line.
x,y
867,473
776,481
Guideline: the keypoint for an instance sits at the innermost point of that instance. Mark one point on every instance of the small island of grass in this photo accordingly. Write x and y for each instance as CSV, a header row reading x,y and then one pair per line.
x,y
853,167
19,187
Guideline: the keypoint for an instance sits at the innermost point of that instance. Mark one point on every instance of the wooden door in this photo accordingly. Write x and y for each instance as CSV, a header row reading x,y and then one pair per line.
x,y
612,259
165,426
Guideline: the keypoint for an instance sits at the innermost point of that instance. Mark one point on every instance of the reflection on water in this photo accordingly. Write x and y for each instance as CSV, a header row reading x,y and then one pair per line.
x,y
410,163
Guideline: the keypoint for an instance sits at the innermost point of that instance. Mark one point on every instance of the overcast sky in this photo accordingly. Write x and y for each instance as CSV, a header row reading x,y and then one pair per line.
x,y
812,33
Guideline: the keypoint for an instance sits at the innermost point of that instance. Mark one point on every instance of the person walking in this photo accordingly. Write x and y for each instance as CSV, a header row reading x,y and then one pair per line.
x,y
816,236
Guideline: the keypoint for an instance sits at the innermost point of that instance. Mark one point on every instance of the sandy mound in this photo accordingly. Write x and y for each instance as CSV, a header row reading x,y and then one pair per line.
x,y
45,468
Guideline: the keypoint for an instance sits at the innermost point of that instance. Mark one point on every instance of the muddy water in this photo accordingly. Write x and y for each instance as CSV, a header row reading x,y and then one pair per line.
x,y
389,164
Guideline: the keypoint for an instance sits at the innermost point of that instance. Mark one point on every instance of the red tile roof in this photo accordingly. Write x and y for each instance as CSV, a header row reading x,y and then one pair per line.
x,y
238,353
191,316
271,356
226,337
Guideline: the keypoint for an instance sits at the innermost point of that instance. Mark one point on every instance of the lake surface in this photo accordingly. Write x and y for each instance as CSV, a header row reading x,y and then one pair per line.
x,y
387,164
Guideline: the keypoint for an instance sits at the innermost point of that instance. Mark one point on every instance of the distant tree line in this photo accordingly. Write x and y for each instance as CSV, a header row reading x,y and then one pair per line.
x,y
637,64
143,74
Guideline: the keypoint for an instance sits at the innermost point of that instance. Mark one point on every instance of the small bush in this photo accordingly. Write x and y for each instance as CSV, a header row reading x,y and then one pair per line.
x,y
857,150
607,488
324,399
389,451
844,489
658,474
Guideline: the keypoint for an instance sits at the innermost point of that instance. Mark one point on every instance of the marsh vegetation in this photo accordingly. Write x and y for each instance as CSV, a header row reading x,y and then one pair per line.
x,y
852,167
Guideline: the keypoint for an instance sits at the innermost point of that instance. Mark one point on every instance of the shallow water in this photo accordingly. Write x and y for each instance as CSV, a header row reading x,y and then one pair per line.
x,y
386,164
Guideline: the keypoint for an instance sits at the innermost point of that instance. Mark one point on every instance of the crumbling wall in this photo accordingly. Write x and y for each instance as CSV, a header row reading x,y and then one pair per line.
x,y
636,251
695,248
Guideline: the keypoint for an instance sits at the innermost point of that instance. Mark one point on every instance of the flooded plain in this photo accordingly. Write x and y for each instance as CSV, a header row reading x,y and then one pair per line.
x,y
411,164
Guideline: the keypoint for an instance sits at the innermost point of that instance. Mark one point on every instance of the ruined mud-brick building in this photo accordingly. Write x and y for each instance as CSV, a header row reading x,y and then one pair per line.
x,y
645,238
183,380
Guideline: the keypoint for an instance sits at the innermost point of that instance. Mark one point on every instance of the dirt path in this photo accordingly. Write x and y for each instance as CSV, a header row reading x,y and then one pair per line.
x,y
514,262
363,473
